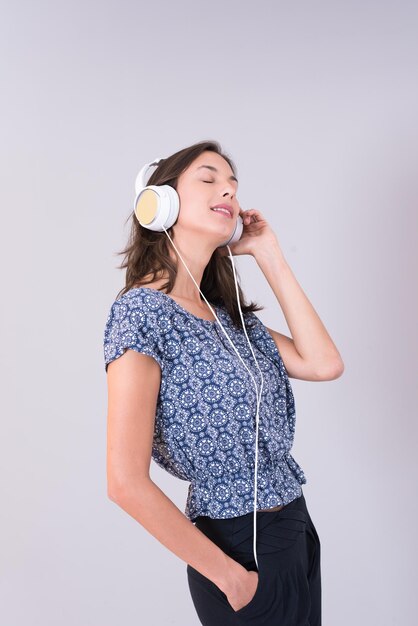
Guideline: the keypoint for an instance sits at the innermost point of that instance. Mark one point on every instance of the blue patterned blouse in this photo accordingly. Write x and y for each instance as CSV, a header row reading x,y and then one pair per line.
x,y
206,409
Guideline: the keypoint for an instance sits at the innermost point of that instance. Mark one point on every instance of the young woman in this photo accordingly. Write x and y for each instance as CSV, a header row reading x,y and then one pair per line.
x,y
178,393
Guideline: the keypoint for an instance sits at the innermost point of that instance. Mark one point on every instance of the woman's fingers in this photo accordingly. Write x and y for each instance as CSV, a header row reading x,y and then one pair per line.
x,y
250,216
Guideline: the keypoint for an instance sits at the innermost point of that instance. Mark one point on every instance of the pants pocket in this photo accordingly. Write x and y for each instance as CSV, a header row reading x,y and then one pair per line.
x,y
249,607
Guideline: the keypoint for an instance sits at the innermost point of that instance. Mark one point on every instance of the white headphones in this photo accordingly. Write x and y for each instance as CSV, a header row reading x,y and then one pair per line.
x,y
157,207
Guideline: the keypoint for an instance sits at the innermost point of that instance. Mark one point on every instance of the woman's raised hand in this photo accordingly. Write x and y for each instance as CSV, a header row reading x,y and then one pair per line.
x,y
256,234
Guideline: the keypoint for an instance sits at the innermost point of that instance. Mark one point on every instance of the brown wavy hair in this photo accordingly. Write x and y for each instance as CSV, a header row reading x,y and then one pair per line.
x,y
147,251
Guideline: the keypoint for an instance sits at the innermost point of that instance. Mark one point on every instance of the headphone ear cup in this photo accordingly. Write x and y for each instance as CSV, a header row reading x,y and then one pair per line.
x,y
236,235
157,207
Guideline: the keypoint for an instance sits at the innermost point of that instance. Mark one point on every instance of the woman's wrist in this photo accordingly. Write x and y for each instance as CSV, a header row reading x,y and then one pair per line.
x,y
232,576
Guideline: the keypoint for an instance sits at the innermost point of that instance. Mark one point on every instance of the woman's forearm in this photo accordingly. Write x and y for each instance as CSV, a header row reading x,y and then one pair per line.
x,y
149,505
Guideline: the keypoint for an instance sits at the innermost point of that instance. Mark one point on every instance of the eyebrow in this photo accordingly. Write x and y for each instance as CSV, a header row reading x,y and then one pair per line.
x,y
211,167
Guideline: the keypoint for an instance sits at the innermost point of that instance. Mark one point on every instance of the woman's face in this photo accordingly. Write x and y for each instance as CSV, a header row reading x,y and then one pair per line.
x,y
200,188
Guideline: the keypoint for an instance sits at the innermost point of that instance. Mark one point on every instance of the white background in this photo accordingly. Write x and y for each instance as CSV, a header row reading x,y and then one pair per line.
x,y
316,103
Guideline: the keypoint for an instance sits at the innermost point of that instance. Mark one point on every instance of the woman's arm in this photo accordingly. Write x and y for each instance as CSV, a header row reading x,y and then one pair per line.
x,y
133,386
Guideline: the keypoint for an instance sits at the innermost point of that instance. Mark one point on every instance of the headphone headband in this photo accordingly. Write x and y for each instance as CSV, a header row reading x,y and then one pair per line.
x,y
140,179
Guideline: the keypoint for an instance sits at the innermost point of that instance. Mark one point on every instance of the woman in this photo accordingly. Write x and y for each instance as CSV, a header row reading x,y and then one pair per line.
x,y
178,393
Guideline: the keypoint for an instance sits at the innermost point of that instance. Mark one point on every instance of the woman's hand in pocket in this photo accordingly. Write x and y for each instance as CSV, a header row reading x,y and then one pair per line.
x,y
244,588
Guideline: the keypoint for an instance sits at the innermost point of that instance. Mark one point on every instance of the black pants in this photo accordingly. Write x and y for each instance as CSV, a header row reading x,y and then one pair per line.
x,y
288,554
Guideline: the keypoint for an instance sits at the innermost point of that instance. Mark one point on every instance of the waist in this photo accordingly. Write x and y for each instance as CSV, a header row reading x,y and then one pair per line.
x,y
274,508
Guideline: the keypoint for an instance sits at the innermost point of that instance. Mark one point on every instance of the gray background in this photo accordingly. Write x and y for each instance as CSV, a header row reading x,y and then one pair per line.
x,y
317,104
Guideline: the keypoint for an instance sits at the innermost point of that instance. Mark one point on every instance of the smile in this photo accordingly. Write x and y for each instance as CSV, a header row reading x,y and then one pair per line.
x,y
223,212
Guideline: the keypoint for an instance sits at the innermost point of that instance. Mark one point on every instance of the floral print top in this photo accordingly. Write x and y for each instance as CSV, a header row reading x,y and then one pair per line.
x,y
206,409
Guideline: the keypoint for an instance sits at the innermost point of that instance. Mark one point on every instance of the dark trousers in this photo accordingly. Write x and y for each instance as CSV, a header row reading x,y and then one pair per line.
x,y
288,554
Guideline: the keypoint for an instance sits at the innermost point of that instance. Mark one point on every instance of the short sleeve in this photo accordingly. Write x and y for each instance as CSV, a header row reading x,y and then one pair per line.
x,y
129,325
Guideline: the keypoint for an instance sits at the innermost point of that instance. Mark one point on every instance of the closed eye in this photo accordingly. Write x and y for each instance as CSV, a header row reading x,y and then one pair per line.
x,y
208,181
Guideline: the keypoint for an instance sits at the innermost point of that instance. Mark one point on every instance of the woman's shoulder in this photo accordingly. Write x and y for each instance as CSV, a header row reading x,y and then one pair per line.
x,y
137,303
132,322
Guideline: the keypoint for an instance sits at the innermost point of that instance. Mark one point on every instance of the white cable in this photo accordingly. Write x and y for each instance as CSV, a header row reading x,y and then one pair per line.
x,y
249,371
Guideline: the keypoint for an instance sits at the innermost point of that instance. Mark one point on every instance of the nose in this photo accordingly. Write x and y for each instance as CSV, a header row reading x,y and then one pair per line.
x,y
229,189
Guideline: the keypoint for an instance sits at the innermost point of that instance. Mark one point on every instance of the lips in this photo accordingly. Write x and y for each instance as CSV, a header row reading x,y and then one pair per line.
x,y
226,207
